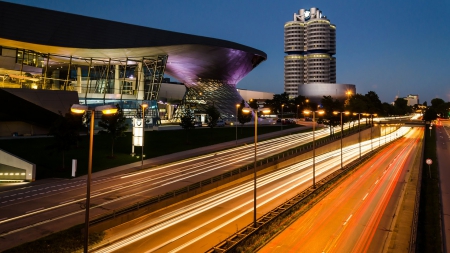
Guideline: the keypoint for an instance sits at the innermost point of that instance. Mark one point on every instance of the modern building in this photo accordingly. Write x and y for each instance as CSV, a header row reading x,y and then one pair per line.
x,y
412,99
108,62
310,43
315,91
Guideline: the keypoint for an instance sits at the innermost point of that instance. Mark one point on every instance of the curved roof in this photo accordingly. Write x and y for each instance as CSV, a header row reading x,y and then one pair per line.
x,y
190,56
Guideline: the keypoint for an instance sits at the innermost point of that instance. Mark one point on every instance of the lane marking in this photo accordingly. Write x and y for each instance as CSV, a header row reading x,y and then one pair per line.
x,y
365,196
35,210
66,201
348,219
377,181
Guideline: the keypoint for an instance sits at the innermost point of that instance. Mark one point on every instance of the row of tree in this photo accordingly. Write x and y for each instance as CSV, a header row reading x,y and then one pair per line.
x,y
66,130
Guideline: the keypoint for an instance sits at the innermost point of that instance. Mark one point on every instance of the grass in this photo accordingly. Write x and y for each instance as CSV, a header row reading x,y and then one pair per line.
x,y
69,240
49,163
429,225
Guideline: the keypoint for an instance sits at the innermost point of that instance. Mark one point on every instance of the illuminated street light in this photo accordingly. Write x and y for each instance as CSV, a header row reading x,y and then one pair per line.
x,y
265,111
237,108
80,109
342,130
143,106
297,110
371,126
314,142
359,131
282,106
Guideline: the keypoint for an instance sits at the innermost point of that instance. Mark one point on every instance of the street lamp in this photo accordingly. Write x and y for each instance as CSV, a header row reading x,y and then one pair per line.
x,y
143,106
314,142
265,111
359,131
371,126
80,109
237,108
282,106
297,110
342,130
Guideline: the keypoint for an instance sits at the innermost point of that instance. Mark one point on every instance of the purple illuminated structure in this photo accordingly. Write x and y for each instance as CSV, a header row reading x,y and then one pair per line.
x,y
78,45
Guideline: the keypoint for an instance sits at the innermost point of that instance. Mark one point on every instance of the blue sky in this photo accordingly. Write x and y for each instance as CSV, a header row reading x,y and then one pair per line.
x,y
396,47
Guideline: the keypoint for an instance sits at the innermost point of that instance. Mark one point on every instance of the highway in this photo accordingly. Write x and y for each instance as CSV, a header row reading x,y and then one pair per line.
x,y
443,152
363,206
39,209
201,222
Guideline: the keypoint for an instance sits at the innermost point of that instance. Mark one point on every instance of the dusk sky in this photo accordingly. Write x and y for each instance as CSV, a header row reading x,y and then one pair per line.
x,y
396,47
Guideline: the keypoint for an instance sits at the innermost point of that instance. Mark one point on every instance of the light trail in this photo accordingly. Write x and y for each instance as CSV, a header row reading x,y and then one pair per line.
x,y
324,165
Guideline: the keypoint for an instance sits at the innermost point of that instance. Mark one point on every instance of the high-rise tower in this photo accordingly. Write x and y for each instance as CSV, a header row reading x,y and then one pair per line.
x,y
310,43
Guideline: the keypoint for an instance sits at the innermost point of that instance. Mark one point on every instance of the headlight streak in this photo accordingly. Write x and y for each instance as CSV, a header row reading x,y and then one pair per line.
x,y
263,180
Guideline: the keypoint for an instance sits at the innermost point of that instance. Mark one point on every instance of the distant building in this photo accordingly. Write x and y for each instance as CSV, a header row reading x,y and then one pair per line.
x,y
310,43
310,65
258,95
412,99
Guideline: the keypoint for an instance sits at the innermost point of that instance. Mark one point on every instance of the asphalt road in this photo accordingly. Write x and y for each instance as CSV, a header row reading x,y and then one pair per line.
x,y
443,153
356,216
200,223
36,210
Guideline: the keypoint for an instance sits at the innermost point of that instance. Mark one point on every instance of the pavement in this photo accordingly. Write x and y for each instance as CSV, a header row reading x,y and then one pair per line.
x,y
442,144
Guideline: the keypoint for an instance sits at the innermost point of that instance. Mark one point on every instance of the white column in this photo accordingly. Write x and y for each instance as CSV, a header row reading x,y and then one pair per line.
x,y
78,88
117,79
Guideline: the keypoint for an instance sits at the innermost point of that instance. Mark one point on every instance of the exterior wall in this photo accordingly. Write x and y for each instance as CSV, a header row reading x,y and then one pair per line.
x,y
316,91
258,95
23,170
310,42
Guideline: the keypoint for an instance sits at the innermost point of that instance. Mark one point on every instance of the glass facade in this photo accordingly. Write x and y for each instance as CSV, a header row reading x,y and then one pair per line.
x,y
124,81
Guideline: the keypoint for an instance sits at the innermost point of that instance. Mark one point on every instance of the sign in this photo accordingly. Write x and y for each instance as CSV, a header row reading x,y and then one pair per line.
x,y
429,161
138,128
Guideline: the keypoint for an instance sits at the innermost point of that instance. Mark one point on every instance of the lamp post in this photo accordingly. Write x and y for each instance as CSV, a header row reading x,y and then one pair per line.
x,y
314,142
371,128
143,106
359,132
297,110
282,106
237,108
80,109
249,110
342,130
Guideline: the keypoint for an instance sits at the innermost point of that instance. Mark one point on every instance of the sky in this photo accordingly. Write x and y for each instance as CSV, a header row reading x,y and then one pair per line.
x,y
391,47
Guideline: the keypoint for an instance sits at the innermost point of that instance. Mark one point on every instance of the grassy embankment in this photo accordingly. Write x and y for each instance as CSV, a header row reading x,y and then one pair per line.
x,y
49,163
429,226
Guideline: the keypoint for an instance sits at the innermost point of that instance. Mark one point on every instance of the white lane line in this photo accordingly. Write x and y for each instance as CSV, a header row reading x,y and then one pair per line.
x,y
35,210
377,181
365,196
4,202
345,223
66,201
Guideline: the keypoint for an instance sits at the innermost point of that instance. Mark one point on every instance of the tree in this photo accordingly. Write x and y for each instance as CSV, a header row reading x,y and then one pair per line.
x,y
243,117
374,104
187,121
114,125
401,106
213,115
66,133
253,104
330,105
430,114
